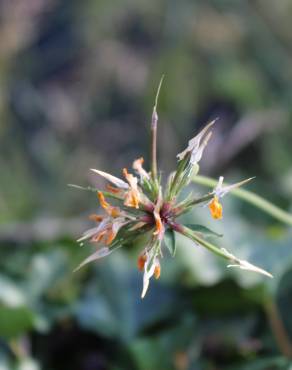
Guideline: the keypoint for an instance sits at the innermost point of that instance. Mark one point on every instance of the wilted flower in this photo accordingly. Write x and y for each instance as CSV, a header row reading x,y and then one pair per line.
x,y
142,207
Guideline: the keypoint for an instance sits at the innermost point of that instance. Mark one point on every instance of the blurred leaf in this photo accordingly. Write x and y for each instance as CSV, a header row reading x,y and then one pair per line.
x,y
160,351
45,270
10,293
284,300
268,363
15,321
112,305
27,364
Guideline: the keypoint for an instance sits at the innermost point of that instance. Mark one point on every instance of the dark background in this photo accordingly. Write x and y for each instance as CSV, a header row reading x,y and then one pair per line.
x,y
77,87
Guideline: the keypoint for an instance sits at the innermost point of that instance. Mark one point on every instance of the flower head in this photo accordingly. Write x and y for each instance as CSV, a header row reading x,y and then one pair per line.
x,y
136,206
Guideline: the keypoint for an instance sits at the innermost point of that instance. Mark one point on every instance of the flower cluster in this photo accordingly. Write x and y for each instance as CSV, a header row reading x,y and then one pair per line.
x,y
143,207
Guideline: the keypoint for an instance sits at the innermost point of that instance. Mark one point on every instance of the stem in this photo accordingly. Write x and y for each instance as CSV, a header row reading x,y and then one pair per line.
x,y
154,134
235,262
190,234
95,190
154,145
184,208
278,328
251,198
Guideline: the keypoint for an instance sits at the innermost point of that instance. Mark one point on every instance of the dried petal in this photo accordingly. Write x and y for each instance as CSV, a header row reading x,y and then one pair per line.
x,y
160,229
132,196
112,211
138,167
115,180
195,147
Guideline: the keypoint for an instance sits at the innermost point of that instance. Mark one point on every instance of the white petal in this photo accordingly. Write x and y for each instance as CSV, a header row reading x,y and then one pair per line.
x,y
115,180
197,154
194,143
220,190
147,275
245,265
105,251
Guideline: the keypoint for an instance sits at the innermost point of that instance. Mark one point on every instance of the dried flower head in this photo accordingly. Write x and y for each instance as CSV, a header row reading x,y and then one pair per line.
x,y
142,207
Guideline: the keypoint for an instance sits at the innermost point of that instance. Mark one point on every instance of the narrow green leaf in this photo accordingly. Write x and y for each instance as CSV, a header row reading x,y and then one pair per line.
x,y
222,252
203,230
169,240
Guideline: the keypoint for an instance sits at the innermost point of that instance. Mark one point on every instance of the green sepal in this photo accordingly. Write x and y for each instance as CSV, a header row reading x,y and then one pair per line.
x,y
203,230
170,242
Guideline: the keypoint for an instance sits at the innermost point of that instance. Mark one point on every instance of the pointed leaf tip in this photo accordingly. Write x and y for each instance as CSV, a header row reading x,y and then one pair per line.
x,y
170,242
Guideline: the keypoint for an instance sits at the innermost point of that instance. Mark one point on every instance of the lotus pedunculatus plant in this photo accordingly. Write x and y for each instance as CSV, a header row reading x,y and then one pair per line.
x,y
142,206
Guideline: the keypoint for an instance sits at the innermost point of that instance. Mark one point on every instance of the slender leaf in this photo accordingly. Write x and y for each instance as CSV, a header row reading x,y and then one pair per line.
x,y
169,240
203,230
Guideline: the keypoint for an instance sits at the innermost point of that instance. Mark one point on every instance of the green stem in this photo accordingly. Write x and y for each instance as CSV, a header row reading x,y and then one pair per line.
x,y
193,236
186,207
95,190
154,134
251,198
234,261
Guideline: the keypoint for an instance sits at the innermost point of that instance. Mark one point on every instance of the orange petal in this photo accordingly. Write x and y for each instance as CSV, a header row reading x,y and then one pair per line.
x,y
113,189
105,205
157,271
132,199
97,218
112,211
98,237
141,262
216,208
110,237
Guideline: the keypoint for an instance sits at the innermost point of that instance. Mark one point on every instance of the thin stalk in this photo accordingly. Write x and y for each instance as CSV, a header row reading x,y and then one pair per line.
x,y
212,248
251,198
186,207
221,252
95,190
154,134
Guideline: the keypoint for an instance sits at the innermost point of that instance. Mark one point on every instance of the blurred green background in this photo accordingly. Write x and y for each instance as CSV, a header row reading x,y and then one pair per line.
x,y
77,86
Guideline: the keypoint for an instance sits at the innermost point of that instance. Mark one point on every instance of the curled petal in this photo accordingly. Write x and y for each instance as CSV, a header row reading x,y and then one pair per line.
x,y
151,267
112,211
157,270
160,229
96,218
141,261
147,275
132,199
195,146
115,180
138,167
132,196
